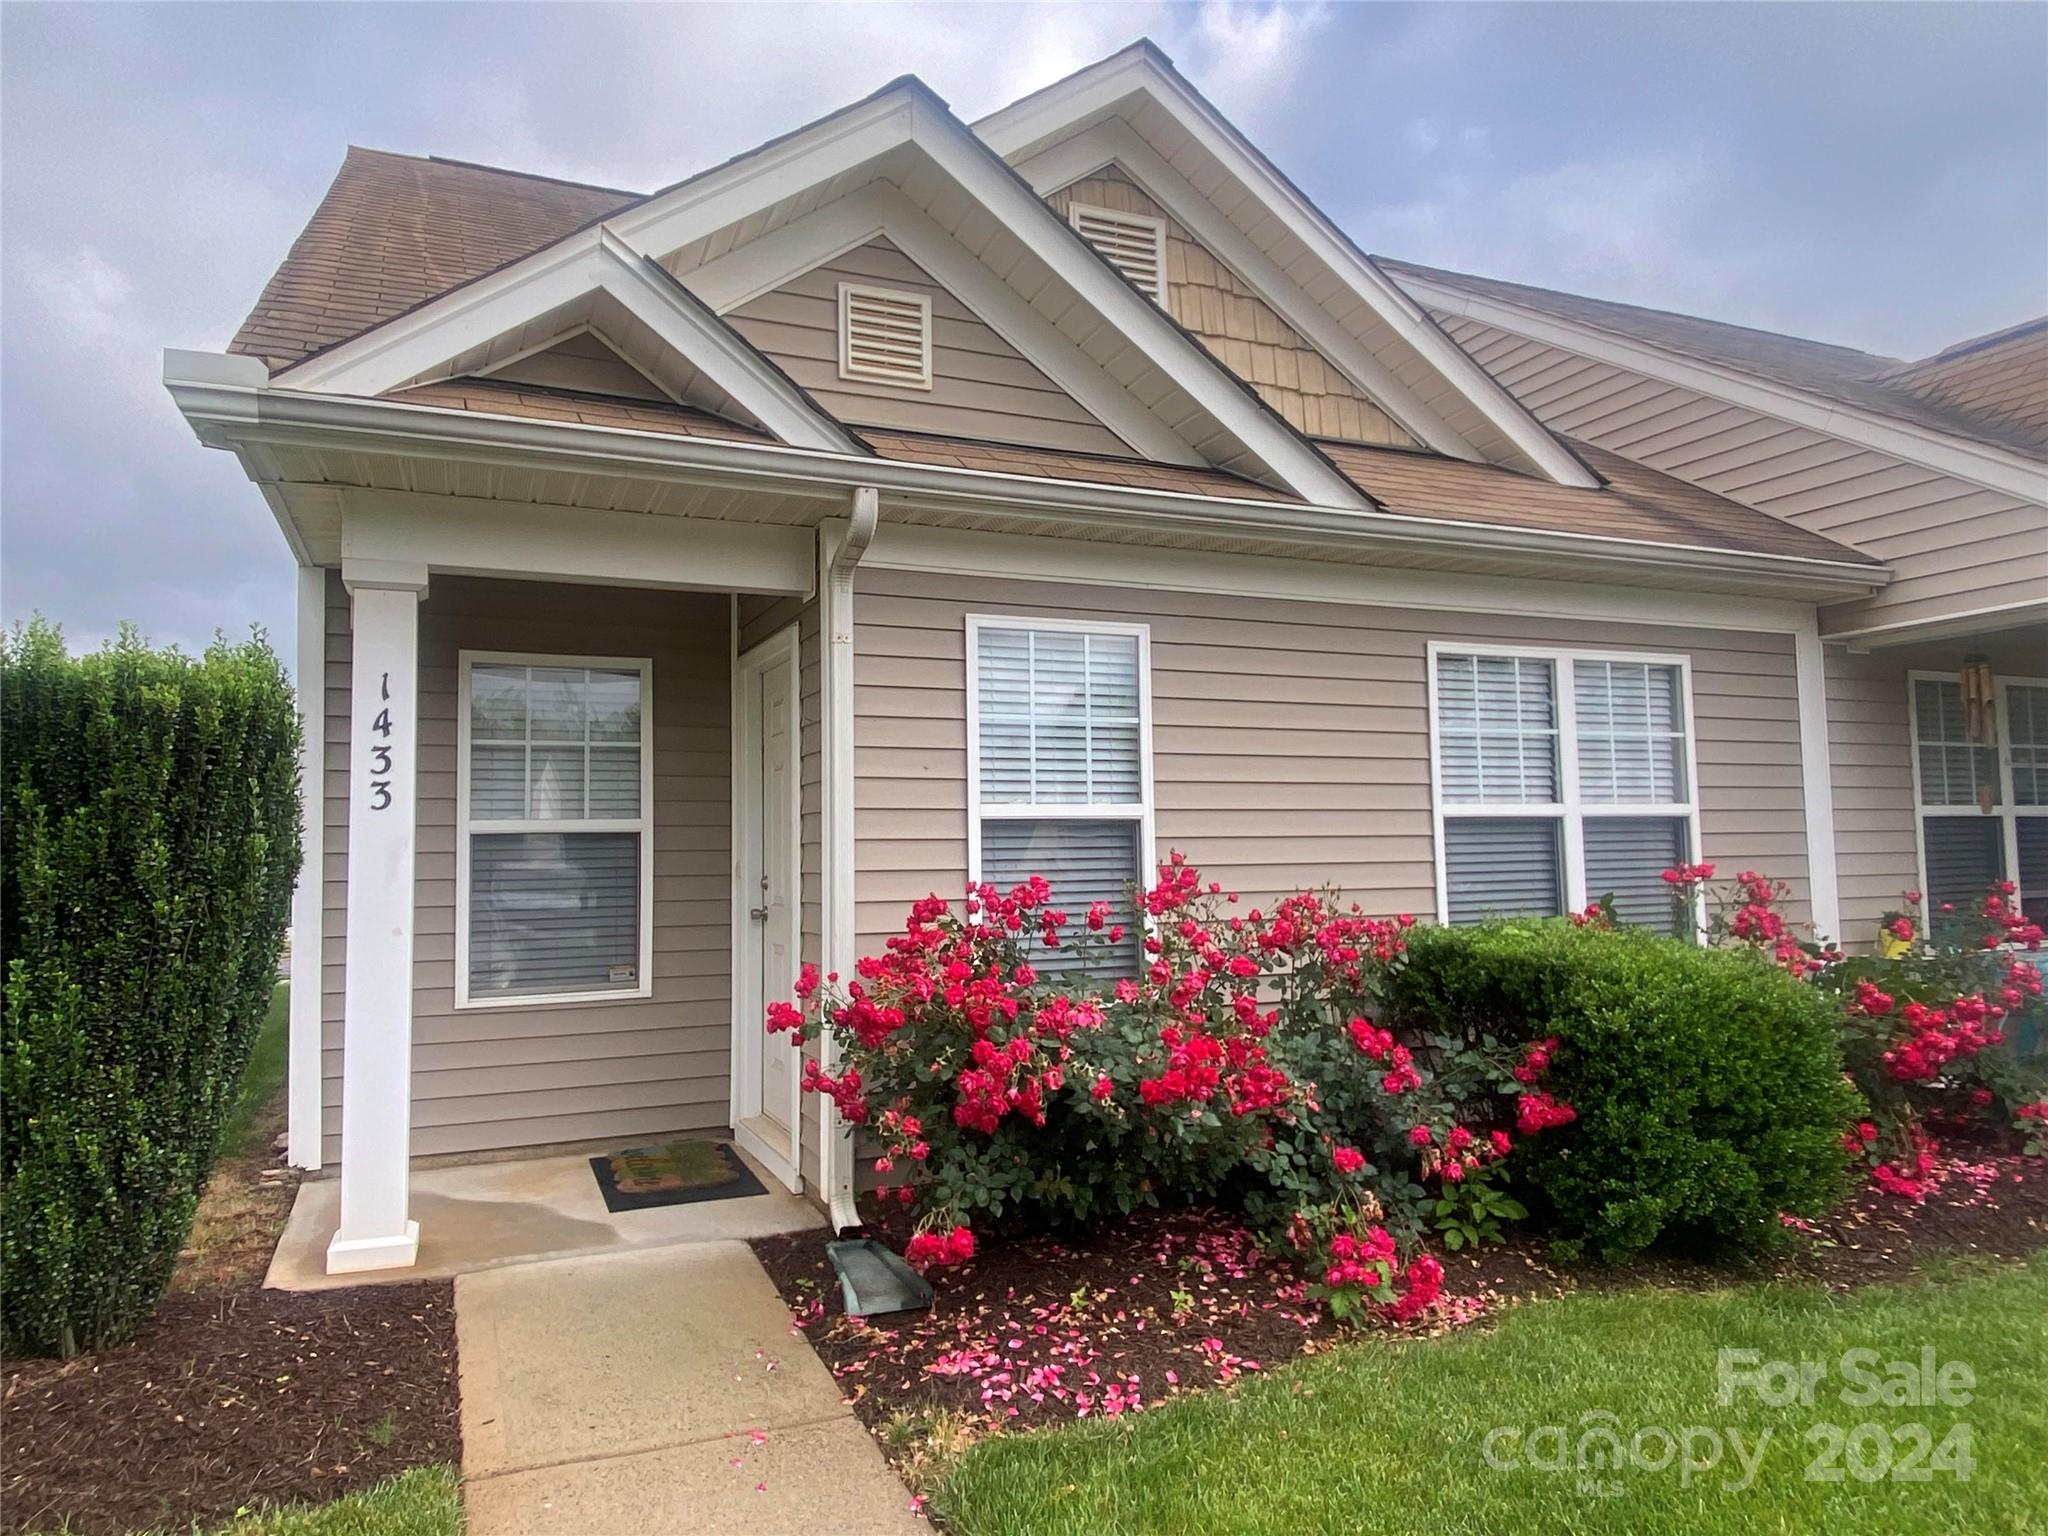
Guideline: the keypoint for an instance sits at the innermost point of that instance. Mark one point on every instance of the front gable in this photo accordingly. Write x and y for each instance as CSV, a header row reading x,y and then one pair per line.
x,y
980,386
1244,333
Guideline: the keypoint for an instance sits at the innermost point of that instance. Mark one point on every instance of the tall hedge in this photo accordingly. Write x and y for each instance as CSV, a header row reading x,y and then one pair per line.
x,y
1708,1083
149,814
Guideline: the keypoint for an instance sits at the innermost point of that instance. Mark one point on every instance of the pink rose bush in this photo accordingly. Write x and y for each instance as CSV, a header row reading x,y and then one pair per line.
x,y
995,1054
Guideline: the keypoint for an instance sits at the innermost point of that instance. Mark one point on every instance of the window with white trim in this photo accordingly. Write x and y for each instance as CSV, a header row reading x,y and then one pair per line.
x,y
1133,243
885,336
1982,787
554,829
1541,809
1059,765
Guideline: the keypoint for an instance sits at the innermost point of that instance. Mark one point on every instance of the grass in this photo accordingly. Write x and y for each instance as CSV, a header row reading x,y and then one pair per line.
x,y
1391,1432
249,1128
427,1501
242,1213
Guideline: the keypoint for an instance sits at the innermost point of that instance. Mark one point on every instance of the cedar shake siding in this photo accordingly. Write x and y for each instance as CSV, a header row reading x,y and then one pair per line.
x,y
982,387
1241,329
1953,547
1290,739
526,1075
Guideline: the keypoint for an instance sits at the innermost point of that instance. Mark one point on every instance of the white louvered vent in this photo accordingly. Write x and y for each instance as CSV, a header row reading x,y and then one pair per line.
x,y
885,335
1133,243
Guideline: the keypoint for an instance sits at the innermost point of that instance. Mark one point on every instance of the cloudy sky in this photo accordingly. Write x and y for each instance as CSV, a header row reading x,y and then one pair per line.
x,y
1869,174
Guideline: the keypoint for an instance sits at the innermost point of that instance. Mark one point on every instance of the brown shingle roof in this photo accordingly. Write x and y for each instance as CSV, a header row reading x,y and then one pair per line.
x,y
394,231
1059,464
2003,375
1636,503
1841,374
500,397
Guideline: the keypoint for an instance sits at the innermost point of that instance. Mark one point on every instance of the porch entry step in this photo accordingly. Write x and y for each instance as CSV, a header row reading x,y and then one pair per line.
x,y
678,1172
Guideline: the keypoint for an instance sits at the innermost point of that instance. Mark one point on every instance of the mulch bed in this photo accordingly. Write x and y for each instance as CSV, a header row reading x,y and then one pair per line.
x,y
1049,1329
230,1399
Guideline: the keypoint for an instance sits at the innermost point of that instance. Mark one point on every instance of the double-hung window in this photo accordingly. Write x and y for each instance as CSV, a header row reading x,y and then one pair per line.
x,y
554,829
1060,766
1561,777
1983,793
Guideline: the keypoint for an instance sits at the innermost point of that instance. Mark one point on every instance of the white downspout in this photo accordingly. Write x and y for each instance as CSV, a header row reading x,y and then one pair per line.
x,y
839,552
1816,773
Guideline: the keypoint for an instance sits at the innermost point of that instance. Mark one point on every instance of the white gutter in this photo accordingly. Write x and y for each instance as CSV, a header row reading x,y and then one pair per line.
x,y
839,552
223,416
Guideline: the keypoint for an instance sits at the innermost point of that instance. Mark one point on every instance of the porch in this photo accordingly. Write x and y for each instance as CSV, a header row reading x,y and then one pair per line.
x,y
568,838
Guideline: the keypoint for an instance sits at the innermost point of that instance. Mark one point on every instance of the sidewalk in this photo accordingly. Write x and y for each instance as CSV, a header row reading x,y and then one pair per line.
x,y
656,1393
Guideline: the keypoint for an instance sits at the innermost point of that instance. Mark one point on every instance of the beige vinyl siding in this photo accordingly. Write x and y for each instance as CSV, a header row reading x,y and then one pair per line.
x,y
1871,757
486,1078
1290,740
982,387
1241,329
761,617
586,362
1953,547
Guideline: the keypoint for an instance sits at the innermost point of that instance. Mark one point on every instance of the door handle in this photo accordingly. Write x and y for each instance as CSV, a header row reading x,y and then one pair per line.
x,y
758,914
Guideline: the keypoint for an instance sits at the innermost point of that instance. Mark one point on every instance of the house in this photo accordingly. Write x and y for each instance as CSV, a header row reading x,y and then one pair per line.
x,y
690,581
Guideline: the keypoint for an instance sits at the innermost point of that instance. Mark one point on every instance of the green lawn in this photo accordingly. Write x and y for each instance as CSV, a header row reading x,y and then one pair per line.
x,y
1395,1434
426,1501
262,1081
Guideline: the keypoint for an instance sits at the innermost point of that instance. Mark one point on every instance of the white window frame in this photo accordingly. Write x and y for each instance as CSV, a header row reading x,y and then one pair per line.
x,y
851,371
2007,812
1140,812
643,824
1076,211
1571,810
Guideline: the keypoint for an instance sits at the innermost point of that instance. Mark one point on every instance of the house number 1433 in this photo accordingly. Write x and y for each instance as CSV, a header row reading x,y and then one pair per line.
x,y
380,750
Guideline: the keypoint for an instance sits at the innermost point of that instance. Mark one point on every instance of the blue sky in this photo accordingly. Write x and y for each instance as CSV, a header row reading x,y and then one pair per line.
x,y
1869,174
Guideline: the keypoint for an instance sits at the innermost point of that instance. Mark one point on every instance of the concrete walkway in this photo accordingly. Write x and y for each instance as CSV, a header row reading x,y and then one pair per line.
x,y
656,1393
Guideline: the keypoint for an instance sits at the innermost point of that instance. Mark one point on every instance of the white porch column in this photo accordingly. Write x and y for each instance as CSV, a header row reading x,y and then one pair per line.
x,y
302,1114
376,1106
1817,775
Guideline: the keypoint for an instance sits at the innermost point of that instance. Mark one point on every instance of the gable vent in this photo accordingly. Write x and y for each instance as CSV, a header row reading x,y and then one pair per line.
x,y
885,335
1132,243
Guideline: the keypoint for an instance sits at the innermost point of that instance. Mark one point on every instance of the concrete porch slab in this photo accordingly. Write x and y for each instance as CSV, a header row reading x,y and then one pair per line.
x,y
479,1216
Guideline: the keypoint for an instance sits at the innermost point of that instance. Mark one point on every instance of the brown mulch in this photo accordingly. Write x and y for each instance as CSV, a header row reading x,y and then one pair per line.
x,y
1038,1330
229,1399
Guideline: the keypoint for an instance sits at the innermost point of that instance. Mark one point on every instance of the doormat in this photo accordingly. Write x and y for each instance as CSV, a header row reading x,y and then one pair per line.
x,y
673,1173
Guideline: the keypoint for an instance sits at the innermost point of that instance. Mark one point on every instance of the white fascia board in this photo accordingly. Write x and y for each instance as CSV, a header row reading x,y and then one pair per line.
x,y
1980,464
1953,626
1009,197
1116,142
1014,131
766,264
471,536
325,421
593,262
1029,557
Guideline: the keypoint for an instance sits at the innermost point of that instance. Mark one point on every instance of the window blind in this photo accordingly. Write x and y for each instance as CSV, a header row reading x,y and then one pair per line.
x,y
1626,857
552,908
1952,767
553,912
1059,718
2026,708
1084,862
1631,733
1963,857
2033,870
1503,867
1496,730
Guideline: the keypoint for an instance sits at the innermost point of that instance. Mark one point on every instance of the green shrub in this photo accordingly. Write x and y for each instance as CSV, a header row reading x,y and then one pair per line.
x,y
1708,1083
149,810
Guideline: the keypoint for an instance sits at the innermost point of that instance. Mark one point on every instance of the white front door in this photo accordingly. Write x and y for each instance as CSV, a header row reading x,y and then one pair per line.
x,y
766,1121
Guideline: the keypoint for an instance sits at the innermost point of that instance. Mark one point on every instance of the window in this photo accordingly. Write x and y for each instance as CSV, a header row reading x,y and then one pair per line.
x,y
554,846
1983,794
1059,764
1131,242
1542,809
885,336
